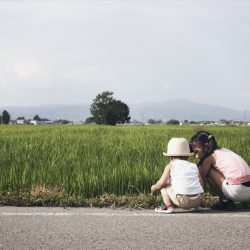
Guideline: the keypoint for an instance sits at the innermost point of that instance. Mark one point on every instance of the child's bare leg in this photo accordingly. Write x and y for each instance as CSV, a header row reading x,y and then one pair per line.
x,y
166,199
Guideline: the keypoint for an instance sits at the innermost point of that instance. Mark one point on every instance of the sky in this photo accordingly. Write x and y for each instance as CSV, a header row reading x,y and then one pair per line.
x,y
67,52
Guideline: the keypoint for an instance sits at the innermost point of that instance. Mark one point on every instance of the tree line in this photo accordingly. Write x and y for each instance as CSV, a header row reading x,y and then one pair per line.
x,y
105,109
5,117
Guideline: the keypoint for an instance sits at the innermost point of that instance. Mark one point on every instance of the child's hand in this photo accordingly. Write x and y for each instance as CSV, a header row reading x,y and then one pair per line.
x,y
153,188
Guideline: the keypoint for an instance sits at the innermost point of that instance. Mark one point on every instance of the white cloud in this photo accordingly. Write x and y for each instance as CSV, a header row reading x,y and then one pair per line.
x,y
69,51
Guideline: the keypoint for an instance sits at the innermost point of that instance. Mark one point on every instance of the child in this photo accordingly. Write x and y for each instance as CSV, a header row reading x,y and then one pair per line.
x,y
225,171
180,183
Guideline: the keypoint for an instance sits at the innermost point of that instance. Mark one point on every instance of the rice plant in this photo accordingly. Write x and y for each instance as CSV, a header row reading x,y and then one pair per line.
x,y
90,160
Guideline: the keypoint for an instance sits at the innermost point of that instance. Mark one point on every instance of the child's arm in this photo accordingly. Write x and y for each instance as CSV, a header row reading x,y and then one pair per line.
x,y
206,166
163,181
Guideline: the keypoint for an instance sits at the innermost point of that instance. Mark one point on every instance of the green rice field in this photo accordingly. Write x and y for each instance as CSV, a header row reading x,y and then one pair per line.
x,y
91,160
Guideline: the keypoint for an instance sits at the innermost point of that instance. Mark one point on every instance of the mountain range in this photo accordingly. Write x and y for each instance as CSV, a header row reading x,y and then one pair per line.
x,y
187,110
179,110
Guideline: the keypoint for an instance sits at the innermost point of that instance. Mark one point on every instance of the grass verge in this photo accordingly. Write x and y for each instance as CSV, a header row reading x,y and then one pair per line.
x,y
42,196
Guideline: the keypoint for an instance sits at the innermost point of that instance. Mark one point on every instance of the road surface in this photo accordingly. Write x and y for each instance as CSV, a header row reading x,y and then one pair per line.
x,y
104,228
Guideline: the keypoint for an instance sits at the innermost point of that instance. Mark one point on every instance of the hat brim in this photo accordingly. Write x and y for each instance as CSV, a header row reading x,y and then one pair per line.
x,y
187,154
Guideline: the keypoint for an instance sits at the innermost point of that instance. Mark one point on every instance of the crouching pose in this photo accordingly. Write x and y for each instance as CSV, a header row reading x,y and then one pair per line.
x,y
180,183
225,171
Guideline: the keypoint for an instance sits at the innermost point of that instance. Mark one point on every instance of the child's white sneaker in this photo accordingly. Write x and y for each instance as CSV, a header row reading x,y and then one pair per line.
x,y
163,209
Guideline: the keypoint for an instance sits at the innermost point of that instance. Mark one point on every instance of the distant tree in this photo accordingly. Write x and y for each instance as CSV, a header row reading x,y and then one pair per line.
x,y
106,110
120,112
0,119
101,106
36,118
20,118
152,121
173,122
90,120
62,121
5,117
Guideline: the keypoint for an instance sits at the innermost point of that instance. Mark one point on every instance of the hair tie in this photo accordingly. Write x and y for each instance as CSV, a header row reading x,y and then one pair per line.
x,y
209,137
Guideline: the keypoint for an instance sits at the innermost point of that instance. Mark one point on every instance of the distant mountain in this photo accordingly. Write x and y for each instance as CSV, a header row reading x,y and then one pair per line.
x,y
179,110
185,110
77,112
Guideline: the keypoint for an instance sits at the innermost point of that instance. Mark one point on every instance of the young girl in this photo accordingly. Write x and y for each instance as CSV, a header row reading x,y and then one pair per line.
x,y
180,183
225,171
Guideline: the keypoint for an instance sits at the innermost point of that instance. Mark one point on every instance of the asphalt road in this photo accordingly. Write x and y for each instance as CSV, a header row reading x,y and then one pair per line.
x,y
92,228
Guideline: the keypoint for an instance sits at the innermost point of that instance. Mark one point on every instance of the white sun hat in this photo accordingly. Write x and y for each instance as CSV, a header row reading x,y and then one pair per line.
x,y
178,147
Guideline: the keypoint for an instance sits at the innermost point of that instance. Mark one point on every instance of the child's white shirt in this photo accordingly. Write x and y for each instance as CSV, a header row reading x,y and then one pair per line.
x,y
185,178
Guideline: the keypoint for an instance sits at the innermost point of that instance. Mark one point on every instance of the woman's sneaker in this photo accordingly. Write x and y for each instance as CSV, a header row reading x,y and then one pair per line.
x,y
227,205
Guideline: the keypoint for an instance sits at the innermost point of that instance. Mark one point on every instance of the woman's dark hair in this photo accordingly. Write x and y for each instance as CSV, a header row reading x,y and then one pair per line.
x,y
205,141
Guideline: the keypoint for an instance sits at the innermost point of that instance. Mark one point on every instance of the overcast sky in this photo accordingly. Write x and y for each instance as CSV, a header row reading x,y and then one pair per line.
x,y
54,52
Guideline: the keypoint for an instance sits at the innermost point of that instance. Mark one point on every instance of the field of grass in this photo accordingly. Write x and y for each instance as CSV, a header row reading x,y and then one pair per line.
x,y
89,160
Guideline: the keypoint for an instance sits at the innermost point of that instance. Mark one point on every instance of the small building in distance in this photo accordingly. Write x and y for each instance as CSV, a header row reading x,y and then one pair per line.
x,y
41,122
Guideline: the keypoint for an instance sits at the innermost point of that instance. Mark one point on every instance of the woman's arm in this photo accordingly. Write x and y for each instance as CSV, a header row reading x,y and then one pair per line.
x,y
163,181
